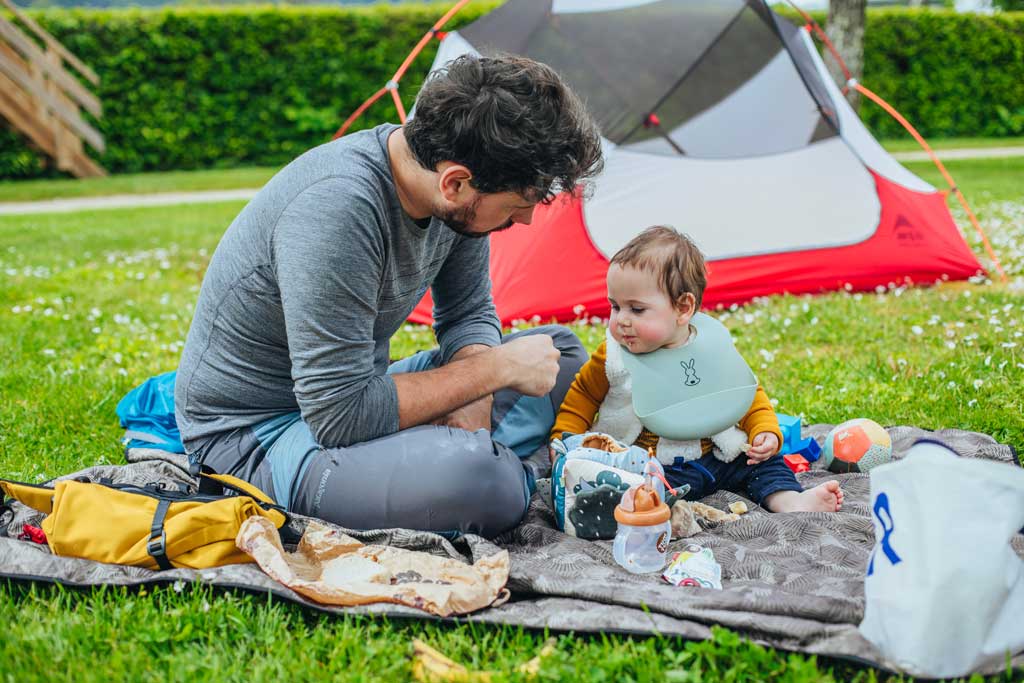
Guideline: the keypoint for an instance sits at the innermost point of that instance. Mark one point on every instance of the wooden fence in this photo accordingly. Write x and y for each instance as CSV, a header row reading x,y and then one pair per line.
x,y
42,99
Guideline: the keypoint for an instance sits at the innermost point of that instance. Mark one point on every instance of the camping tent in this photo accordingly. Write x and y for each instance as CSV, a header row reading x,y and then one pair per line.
x,y
720,119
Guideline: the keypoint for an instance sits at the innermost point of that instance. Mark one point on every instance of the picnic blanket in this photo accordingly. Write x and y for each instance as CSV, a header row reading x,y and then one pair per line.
x,y
791,581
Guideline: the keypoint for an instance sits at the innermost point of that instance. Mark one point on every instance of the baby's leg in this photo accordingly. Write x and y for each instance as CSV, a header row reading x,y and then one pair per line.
x,y
772,485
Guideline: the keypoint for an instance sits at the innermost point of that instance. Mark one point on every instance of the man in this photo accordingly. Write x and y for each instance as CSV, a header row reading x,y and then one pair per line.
x,y
284,379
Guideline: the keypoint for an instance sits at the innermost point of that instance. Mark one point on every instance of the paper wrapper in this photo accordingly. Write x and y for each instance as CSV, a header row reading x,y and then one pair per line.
x,y
332,568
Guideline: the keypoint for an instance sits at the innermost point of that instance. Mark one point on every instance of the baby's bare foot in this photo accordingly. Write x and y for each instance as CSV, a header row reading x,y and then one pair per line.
x,y
827,497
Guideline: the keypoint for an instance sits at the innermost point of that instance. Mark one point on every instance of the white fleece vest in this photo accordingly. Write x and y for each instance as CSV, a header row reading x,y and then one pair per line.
x,y
617,418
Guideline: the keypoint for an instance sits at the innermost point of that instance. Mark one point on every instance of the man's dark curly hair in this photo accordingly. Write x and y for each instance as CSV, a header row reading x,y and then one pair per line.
x,y
511,121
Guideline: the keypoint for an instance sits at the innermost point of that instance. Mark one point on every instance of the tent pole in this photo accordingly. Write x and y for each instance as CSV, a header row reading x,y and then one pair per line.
x,y
942,169
434,32
891,111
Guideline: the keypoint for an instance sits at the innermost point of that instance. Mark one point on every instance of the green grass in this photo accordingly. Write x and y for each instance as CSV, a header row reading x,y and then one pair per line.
x,y
135,183
92,303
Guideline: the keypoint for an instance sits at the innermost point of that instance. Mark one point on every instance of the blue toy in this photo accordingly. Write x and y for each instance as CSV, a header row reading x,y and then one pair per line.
x,y
792,443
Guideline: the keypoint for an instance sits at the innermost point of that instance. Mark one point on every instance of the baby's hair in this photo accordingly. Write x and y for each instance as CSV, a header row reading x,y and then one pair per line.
x,y
672,257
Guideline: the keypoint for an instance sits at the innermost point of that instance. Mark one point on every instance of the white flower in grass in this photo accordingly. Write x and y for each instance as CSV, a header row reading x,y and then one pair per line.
x,y
988,361
122,372
48,311
96,330
49,353
65,317
978,383
917,329
973,402
1008,345
940,374
951,345
951,384
16,310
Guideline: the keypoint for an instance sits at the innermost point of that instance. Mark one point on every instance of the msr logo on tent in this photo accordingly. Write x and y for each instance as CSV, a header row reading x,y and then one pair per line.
x,y
907,234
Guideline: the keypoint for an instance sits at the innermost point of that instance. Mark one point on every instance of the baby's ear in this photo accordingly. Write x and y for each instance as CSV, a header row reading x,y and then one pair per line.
x,y
686,304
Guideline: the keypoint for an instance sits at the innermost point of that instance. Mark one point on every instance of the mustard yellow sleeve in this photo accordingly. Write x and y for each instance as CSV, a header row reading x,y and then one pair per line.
x,y
584,397
761,417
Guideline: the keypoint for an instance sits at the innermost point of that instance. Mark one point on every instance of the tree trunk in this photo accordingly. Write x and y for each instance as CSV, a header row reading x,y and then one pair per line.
x,y
845,29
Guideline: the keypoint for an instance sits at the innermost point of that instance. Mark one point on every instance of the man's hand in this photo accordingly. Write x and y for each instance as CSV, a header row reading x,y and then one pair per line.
x,y
764,446
530,364
476,415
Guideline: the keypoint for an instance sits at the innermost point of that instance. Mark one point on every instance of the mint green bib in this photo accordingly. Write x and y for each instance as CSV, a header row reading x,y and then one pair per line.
x,y
696,390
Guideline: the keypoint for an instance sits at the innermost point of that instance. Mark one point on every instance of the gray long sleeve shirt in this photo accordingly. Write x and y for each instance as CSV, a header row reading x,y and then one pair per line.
x,y
305,290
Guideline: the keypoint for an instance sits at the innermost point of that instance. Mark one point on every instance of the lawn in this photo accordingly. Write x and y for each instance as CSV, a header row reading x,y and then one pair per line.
x,y
92,303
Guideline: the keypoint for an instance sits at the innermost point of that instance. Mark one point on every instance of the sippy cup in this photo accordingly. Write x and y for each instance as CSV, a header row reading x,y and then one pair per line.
x,y
644,529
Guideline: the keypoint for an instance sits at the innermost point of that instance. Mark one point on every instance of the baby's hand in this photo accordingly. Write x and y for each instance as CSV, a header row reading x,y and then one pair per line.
x,y
764,446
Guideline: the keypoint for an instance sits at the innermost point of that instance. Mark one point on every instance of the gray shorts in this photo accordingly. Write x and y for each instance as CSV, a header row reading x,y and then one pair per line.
x,y
428,478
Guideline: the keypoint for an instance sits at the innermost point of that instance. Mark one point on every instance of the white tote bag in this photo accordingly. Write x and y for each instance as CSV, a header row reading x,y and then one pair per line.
x,y
944,590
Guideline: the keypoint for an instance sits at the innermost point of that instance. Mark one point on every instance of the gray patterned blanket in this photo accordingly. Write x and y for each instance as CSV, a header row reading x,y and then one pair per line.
x,y
791,581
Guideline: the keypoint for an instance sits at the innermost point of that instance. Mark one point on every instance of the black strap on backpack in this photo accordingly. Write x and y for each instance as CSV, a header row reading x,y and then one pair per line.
x,y
157,545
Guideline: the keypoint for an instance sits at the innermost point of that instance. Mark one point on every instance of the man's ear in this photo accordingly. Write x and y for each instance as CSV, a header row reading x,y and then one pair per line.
x,y
454,182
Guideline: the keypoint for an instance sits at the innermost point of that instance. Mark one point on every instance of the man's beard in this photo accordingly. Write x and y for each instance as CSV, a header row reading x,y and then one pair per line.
x,y
459,220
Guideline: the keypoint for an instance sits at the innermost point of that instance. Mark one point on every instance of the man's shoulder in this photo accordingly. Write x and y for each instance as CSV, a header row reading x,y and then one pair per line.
x,y
353,166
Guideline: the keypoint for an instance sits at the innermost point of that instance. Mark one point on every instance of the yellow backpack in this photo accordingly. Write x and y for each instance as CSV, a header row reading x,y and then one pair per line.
x,y
148,526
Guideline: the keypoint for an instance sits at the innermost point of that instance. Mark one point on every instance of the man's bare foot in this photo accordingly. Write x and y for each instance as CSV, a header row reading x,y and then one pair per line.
x,y
827,497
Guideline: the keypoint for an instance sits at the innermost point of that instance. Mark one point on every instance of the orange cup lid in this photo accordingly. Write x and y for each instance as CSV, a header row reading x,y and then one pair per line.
x,y
641,506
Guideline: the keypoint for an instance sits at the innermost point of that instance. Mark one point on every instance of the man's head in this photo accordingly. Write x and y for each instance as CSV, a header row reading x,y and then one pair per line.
x,y
503,134
655,285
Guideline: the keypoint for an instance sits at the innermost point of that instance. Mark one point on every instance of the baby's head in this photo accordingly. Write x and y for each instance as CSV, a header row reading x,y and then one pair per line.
x,y
655,285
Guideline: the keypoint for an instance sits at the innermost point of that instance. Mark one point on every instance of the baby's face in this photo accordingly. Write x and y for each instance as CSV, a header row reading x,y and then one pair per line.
x,y
643,318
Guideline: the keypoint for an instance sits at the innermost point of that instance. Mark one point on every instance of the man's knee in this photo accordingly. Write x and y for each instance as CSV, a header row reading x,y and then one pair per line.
x,y
488,483
565,341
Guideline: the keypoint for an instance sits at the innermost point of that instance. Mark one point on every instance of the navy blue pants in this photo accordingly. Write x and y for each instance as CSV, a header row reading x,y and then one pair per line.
x,y
709,474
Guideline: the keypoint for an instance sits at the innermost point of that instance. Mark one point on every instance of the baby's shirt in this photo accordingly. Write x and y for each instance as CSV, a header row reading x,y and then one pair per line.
x,y
589,389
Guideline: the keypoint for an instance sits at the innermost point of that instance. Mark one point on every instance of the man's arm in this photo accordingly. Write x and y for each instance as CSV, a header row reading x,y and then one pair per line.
x,y
464,314
528,365
328,257
476,415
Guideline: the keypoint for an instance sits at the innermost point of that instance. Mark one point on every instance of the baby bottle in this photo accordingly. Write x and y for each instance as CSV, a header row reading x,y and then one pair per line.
x,y
644,529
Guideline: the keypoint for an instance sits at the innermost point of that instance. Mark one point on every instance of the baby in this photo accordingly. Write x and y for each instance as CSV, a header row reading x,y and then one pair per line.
x,y
655,286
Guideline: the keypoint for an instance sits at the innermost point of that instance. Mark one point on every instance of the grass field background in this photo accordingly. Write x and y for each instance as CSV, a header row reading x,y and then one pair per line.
x,y
92,303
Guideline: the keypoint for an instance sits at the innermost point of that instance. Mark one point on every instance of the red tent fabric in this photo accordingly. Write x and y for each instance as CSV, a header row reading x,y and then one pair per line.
x,y
755,154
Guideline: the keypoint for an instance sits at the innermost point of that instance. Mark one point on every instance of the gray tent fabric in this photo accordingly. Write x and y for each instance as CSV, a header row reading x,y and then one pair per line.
x,y
791,581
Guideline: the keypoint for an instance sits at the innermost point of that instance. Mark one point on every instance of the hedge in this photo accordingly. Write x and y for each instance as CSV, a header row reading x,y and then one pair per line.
x,y
208,87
